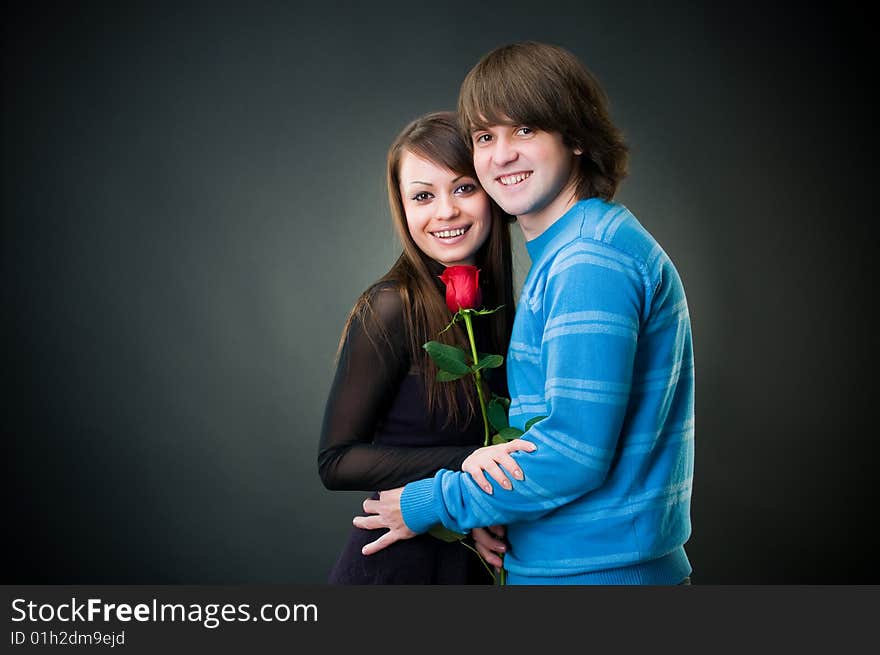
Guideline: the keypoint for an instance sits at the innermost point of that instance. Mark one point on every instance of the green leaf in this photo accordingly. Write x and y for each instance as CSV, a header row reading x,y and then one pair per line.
x,y
532,421
488,361
501,399
446,376
508,434
497,413
448,358
497,439
444,533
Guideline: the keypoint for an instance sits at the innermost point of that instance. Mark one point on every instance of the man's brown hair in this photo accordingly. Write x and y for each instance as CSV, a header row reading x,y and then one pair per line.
x,y
548,88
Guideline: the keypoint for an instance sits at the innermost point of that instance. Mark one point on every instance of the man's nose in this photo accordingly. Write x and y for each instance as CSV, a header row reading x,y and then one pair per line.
x,y
504,152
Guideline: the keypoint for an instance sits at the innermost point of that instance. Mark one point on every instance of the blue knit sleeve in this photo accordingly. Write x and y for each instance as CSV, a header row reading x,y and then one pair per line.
x,y
585,318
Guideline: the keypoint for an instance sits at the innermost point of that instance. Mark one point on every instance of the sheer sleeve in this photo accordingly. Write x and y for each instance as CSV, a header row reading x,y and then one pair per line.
x,y
371,366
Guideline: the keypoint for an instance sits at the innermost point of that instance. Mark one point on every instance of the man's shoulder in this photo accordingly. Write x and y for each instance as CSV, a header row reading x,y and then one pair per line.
x,y
628,247
612,226
611,232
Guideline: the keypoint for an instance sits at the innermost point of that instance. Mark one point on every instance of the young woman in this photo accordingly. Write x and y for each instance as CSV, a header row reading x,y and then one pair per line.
x,y
388,421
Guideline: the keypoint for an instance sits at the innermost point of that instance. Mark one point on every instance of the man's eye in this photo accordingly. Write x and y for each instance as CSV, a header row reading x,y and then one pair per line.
x,y
421,196
482,138
525,131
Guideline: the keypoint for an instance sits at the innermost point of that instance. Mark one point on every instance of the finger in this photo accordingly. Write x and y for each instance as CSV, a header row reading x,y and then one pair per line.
x,y
498,475
373,522
491,558
370,506
498,530
521,444
480,479
509,464
487,541
380,544
484,545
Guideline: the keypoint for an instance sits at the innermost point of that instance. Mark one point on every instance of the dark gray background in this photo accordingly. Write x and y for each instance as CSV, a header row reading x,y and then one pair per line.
x,y
193,198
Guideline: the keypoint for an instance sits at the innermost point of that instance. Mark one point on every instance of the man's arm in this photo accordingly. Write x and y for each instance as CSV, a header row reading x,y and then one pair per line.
x,y
591,309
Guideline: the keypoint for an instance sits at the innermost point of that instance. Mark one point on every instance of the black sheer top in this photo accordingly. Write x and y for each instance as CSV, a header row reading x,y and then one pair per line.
x,y
376,432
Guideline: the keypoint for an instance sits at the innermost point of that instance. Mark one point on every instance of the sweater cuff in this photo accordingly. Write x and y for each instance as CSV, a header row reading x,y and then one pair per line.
x,y
417,505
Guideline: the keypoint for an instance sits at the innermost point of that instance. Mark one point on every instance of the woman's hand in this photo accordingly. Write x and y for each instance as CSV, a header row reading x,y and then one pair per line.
x,y
489,542
491,458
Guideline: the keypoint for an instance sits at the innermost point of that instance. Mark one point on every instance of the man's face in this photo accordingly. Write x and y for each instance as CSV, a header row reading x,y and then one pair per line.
x,y
529,172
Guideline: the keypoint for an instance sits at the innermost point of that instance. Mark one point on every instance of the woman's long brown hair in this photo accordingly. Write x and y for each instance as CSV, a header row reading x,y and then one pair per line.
x,y
437,138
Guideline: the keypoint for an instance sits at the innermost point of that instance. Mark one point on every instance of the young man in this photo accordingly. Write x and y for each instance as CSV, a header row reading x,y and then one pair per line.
x,y
601,347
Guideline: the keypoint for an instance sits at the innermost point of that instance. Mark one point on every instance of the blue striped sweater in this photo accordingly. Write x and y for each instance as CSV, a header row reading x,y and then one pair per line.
x,y
602,347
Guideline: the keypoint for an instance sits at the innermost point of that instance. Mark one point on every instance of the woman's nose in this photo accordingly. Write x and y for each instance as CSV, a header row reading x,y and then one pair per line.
x,y
447,207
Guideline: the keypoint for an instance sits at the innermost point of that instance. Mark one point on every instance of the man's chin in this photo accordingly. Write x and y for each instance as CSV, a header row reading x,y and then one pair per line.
x,y
514,209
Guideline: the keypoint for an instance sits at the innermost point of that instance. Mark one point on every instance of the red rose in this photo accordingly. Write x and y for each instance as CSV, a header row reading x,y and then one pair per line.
x,y
462,287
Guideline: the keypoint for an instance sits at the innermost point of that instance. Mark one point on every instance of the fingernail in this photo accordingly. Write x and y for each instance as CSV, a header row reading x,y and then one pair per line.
x,y
505,484
488,489
518,474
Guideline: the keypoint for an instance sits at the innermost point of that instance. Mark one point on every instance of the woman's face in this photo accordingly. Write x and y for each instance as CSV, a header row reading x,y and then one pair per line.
x,y
448,214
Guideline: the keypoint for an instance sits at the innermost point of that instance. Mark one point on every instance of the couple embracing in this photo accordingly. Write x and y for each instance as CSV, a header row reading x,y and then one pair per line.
x,y
597,491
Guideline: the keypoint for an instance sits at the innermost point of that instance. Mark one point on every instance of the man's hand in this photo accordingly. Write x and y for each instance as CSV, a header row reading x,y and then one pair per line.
x,y
385,513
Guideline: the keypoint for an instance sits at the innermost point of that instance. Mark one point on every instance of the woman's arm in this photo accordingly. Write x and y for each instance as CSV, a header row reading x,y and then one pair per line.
x,y
372,364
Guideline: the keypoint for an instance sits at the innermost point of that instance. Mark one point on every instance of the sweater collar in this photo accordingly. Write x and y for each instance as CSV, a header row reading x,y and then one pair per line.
x,y
540,244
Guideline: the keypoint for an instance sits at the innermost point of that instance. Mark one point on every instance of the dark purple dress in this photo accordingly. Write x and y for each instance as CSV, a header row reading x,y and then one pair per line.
x,y
377,435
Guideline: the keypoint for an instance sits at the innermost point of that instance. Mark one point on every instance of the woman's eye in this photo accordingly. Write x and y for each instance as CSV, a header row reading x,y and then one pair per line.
x,y
467,187
421,196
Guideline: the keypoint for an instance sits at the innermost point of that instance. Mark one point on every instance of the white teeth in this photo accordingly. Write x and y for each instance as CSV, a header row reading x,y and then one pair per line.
x,y
507,180
446,234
